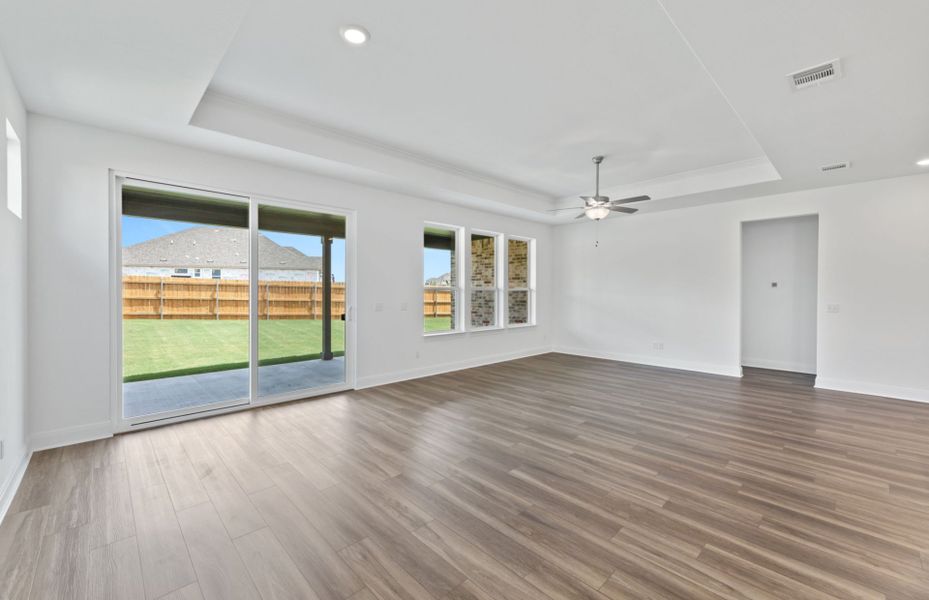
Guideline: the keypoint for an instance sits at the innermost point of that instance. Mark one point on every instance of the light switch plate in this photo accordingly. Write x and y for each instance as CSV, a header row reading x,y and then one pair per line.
x,y
832,308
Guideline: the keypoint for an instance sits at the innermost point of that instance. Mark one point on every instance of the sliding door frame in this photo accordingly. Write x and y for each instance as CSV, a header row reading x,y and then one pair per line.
x,y
121,424
349,334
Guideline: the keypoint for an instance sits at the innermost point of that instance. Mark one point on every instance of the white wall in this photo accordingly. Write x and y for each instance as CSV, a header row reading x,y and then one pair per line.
x,y
670,278
779,322
674,278
69,322
13,430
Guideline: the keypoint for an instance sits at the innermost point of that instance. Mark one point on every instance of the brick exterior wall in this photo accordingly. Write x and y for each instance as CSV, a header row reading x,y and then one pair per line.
x,y
518,277
483,263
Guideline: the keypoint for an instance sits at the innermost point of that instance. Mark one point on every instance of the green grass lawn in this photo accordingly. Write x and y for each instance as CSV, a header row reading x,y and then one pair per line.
x,y
153,349
437,324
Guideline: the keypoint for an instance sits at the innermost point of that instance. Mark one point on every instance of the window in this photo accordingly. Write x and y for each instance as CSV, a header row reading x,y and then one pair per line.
x,y
14,172
217,273
181,273
442,281
196,272
484,292
520,292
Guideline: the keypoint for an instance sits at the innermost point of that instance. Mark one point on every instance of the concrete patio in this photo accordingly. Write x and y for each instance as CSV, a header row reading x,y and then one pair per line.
x,y
172,393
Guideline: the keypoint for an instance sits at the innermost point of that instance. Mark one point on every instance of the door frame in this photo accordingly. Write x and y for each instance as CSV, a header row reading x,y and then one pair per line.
x,y
741,283
121,424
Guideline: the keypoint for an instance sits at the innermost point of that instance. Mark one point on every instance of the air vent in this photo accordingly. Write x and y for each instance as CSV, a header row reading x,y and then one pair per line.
x,y
816,75
835,167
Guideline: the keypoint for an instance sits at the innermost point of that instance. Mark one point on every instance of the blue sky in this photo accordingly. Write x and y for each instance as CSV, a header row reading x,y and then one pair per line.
x,y
436,262
140,229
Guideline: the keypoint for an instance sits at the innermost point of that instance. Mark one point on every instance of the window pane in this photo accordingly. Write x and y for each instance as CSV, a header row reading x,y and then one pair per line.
x,y
185,340
483,308
439,308
483,280
294,352
518,307
518,263
483,250
440,279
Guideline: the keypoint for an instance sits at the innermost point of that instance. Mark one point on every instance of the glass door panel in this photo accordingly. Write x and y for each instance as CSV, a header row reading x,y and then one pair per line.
x,y
301,300
185,300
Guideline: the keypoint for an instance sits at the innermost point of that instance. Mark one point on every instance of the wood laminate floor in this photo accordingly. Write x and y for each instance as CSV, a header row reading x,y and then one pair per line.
x,y
550,477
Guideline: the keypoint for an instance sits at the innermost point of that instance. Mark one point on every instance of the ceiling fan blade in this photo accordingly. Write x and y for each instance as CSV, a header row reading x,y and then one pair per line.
x,y
581,216
632,199
624,209
567,208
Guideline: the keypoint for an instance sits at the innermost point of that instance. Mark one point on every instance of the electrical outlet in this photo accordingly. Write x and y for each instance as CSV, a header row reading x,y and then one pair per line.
x,y
379,307
832,308
658,346
404,306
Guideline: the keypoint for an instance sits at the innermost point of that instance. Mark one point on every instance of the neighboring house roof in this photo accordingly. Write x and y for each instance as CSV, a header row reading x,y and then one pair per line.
x,y
443,280
215,248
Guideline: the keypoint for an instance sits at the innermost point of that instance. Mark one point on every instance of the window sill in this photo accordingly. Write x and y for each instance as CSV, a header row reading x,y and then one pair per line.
x,y
429,334
492,328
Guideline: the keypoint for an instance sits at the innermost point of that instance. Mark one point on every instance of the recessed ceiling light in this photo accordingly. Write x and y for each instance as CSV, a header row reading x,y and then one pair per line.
x,y
923,163
355,35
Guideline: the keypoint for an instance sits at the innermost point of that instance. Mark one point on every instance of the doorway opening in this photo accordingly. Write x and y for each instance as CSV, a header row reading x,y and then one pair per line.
x,y
779,294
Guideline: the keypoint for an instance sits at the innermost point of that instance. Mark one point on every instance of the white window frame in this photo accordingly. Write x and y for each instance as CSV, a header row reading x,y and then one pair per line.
x,y
531,276
216,273
497,287
460,291
14,171
182,273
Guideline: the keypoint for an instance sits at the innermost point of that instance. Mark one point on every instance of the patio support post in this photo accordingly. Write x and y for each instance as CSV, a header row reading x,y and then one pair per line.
x,y
327,298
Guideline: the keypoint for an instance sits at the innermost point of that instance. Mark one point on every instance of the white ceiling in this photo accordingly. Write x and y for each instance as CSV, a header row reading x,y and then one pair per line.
x,y
114,61
523,91
498,104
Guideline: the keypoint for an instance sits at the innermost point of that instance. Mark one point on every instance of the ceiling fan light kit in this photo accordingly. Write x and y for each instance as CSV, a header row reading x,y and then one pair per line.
x,y
599,207
597,212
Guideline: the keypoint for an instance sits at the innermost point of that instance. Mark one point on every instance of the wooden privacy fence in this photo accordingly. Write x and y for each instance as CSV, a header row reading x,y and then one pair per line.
x,y
183,298
437,302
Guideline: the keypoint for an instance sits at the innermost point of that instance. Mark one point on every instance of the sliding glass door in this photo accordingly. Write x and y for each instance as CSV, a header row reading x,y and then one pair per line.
x,y
225,301
301,300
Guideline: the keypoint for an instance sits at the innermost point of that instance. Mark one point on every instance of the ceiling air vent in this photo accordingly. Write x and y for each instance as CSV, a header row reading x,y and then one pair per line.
x,y
816,75
835,167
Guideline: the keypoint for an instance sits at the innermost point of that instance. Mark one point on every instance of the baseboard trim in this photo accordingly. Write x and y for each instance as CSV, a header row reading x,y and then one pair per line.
x,y
71,435
779,365
873,389
653,361
11,485
396,377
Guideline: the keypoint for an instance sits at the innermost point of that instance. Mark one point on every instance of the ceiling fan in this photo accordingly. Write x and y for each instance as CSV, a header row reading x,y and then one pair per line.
x,y
598,207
